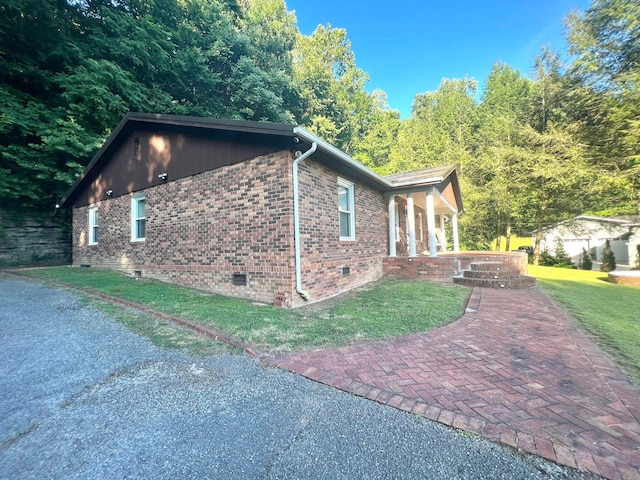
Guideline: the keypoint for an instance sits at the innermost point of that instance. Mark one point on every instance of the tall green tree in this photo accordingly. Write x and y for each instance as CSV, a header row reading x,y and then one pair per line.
x,y
440,130
605,42
69,70
558,178
495,173
380,132
335,104
42,146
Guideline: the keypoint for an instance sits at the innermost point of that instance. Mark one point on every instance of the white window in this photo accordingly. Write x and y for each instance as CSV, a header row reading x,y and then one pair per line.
x,y
346,210
138,218
420,227
93,226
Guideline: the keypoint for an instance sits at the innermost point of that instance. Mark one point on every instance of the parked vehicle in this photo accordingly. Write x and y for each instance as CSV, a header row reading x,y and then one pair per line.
x,y
527,250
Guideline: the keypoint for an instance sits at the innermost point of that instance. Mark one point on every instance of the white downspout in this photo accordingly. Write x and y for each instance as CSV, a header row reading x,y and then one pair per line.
x,y
296,217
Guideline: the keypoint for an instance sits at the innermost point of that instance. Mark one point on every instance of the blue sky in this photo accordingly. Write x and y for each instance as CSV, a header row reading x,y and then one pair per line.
x,y
407,47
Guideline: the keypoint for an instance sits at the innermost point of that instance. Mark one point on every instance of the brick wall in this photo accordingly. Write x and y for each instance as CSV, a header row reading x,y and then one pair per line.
x,y
202,229
446,265
324,255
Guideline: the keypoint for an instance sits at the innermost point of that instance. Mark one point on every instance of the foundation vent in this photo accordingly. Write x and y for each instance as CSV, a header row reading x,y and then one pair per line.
x,y
240,279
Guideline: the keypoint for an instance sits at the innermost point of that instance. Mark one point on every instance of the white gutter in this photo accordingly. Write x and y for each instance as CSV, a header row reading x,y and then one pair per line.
x,y
344,158
296,216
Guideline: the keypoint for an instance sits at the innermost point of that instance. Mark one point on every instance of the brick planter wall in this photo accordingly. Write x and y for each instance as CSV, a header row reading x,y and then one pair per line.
x,y
447,265
631,278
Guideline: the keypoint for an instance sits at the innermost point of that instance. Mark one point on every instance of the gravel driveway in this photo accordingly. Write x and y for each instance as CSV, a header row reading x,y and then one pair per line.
x,y
83,397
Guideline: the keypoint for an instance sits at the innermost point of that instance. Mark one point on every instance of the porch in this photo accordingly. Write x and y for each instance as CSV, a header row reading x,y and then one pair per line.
x,y
448,265
423,209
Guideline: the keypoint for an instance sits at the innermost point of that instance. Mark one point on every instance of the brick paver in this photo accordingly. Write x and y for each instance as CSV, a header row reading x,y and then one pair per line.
x,y
513,369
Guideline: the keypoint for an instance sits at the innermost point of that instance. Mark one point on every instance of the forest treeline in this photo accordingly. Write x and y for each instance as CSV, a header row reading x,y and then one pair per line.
x,y
530,149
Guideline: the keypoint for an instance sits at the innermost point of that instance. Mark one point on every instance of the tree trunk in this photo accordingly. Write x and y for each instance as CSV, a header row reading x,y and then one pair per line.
x,y
541,218
498,236
507,246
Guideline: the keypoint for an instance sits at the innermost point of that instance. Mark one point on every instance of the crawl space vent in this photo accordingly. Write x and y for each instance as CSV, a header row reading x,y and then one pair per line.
x,y
240,279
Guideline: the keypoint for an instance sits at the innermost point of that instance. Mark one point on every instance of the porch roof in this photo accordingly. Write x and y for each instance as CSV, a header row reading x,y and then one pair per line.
x,y
427,176
443,178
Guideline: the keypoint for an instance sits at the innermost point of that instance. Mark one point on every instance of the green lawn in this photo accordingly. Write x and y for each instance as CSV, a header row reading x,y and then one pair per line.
x,y
381,310
610,312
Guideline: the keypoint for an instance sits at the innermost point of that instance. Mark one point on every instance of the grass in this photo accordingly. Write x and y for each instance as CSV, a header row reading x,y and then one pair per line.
x,y
609,312
381,310
162,333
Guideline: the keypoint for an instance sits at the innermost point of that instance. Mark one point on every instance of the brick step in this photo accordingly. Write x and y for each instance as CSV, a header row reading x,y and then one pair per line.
x,y
487,266
514,283
492,274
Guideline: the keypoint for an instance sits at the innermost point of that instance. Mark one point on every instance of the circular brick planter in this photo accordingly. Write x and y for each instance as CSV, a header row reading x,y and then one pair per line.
x,y
625,278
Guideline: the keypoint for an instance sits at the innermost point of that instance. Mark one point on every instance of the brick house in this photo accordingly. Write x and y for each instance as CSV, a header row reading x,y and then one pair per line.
x,y
257,210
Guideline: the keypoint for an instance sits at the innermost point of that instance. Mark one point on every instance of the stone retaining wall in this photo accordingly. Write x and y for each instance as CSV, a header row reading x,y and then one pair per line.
x,y
29,237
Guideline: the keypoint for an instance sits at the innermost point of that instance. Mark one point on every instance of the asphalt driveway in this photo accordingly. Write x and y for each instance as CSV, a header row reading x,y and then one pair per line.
x,y
83,397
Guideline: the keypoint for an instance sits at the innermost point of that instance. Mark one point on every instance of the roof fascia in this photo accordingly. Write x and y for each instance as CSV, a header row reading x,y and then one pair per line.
x,y
342,157
601,219
245,126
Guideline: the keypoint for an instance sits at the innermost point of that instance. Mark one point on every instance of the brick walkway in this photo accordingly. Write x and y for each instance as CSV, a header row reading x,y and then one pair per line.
x,y
513,369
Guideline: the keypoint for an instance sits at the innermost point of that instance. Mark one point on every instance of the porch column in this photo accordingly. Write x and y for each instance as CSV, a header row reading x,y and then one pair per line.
x,y
443,232
392,225
454,227
411,225
431,225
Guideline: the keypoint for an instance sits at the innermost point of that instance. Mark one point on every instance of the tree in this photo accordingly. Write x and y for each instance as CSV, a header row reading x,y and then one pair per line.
x,y
585,260
439,130
557,174
605,41
268,90
608,259
380,132
335,105
562,259
70,70
636,262
42,146
496,171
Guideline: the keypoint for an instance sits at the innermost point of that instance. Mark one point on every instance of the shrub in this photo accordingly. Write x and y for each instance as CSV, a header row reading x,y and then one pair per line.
x,y
636,263
608,259
585,260
562,259
546,259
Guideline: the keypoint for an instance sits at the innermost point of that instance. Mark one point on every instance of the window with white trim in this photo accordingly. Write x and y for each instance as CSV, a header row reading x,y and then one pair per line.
x,y
93,226
138,218
420,227
346,210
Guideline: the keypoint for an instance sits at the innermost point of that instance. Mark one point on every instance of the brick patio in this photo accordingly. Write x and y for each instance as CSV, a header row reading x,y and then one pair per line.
x,y
514,369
